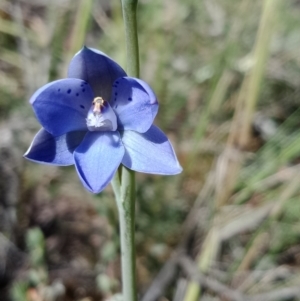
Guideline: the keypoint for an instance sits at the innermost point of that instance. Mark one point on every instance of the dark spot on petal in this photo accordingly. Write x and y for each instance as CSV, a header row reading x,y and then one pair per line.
x,y
116,93
129,98
117,82
77,94
58,90
83,90
115,99
81,106
116,106
69,91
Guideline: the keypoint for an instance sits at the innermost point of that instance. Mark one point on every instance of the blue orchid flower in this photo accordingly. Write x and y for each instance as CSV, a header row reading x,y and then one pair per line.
x,y
97,119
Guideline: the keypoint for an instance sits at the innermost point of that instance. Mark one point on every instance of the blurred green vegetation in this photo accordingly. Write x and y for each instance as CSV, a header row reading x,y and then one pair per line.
x,y
227,77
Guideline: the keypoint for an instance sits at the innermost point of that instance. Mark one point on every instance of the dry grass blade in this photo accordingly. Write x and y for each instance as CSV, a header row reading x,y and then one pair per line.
x,y
233,295
261,241
162,280
247,100
247,221
254,80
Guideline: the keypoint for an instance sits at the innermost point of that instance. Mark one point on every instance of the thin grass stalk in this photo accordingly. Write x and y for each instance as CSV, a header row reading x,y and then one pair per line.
x,y
212,106
289,150
247,100
288,191
261,51
246,104
220,86
81,22
204,260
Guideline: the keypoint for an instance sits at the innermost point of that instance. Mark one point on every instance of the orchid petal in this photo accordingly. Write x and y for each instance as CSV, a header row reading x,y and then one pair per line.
x,y
62,106
134,103
97,159
150,152
98,69
47,149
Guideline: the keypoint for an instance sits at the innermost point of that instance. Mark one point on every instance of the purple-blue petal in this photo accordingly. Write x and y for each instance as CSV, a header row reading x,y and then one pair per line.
x,y
97,159
135,104
62,105
96,68
150,152
47,149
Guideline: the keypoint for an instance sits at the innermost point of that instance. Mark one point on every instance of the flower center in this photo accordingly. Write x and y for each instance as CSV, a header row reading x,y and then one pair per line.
x,y
98,102
101,116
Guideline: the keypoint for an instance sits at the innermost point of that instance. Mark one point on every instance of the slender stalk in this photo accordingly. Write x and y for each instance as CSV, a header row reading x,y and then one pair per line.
x,y
126,208
132,44
124,180
116,185
261,52
77,38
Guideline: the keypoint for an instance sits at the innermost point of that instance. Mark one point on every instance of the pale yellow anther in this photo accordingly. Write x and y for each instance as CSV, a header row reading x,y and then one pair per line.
x,y
98,102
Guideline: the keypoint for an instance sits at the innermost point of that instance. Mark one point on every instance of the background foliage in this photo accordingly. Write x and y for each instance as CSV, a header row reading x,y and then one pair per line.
x,y
227,76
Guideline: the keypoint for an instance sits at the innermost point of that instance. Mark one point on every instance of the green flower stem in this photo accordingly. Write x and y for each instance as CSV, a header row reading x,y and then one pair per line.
x,y
132,44
127,231
123,185
124,180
